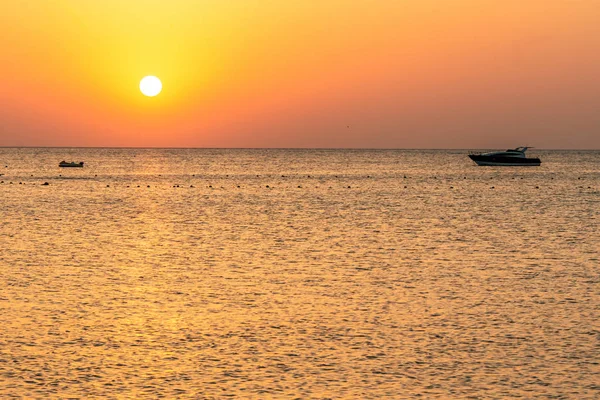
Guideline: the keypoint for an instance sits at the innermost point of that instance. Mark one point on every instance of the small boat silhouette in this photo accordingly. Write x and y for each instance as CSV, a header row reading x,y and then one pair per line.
x,y
511,157
64,164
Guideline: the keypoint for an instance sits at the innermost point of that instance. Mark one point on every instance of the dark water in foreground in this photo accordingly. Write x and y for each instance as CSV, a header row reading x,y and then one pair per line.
x,y
298,274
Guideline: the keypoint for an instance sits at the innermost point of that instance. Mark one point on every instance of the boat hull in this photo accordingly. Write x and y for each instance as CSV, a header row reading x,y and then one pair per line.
x,y
491,161
71,165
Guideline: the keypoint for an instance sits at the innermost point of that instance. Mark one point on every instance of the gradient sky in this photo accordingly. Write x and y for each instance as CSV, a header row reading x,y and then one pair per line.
x,y
298,73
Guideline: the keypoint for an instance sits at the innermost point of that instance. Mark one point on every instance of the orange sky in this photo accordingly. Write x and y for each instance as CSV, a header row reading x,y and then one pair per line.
x,y
297,73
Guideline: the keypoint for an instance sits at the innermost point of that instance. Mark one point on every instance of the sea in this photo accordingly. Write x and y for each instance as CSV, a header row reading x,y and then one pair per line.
x,y
298,274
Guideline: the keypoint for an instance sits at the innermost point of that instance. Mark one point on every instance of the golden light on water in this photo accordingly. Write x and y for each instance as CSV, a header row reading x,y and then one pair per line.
x,y
150,86
256,273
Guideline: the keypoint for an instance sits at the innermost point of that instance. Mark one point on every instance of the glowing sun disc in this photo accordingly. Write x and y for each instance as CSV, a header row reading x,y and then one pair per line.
x,y
150,86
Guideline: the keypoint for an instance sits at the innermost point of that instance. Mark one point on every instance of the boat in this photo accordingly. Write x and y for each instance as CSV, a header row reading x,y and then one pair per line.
x,y
64,164
511,157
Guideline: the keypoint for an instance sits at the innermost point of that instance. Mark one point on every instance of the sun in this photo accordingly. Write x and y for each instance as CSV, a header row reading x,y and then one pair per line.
x,y
150,86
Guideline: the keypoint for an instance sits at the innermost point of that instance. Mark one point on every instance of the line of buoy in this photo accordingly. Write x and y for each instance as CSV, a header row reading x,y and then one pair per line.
x,y
266,186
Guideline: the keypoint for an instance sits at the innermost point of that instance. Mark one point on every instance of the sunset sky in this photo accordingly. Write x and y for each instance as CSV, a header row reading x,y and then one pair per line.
x,y
298,73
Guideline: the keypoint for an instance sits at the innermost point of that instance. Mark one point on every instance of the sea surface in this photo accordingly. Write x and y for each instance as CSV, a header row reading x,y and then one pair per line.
x,y
298,274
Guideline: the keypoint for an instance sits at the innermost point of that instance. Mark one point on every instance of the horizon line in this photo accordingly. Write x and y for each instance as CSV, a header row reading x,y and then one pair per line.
x,y
278,148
